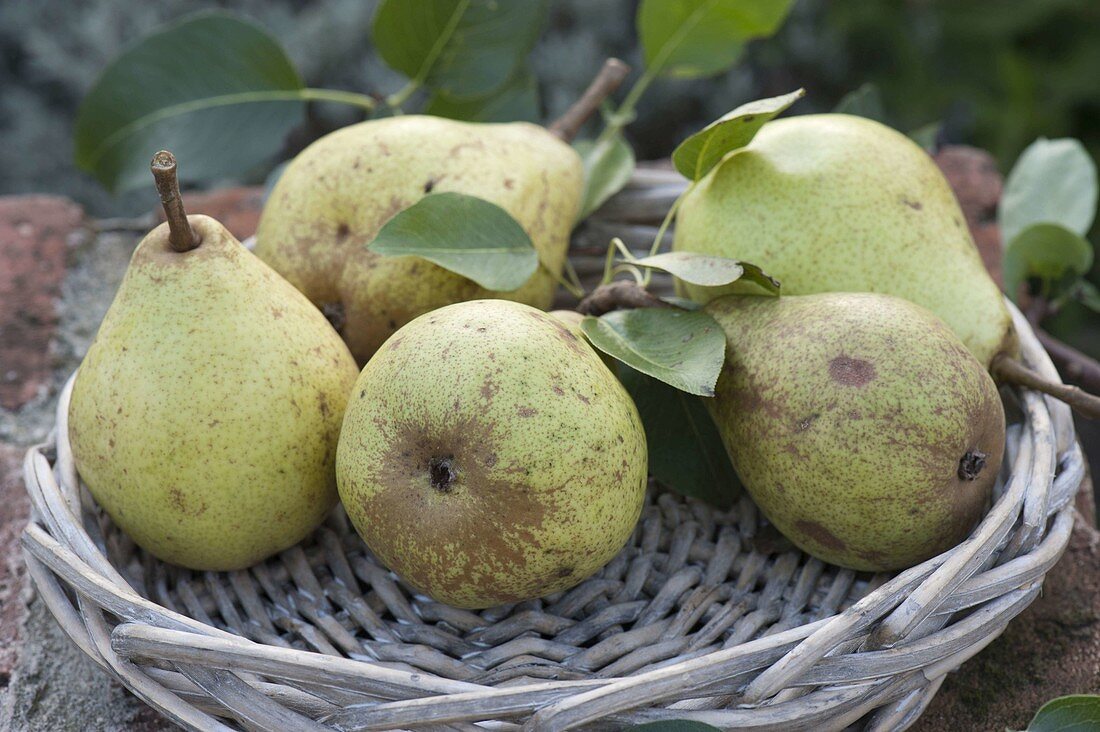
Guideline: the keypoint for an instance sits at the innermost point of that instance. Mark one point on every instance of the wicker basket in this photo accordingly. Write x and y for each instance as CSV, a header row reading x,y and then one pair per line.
x,y
699,617
694,619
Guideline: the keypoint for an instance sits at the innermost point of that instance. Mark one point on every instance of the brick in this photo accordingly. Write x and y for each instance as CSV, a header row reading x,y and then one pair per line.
x,y
237,208
33,235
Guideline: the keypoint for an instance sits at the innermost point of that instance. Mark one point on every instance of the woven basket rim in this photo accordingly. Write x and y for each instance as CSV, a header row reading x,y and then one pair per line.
x,y
879,661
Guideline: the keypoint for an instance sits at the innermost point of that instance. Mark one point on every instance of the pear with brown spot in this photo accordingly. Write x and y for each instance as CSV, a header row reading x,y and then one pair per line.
x,y
489,456
336,195
862,427
837,203
205,416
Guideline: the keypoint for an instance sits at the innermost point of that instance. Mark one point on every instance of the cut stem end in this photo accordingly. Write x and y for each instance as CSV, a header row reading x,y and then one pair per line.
x,y
181,236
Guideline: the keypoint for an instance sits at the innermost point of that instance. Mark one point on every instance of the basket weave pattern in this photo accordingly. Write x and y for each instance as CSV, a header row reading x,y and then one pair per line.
x,y
702,616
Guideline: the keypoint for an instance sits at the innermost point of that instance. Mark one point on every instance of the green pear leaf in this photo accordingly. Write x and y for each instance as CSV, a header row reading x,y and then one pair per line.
x,y
218,91
608,166
1053,181
685,450
1076,713
516,101
682,348
927,135
1049,252
695,156
464,234
690,39
866,101
708,271
465,48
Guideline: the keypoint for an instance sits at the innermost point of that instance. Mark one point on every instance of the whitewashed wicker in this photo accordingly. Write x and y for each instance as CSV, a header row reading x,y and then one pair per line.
x,y
698,617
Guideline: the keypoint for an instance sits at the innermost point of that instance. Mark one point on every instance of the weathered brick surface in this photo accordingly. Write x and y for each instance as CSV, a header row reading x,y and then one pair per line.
x,y
33,232
237,208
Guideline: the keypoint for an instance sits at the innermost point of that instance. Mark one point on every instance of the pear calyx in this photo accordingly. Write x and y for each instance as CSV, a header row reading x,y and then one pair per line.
x,y
181,236
971,464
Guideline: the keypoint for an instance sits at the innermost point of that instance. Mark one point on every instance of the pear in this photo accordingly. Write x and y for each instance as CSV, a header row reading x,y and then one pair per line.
x,y
334,197
573,320
836,203
488,455
862,427
205,416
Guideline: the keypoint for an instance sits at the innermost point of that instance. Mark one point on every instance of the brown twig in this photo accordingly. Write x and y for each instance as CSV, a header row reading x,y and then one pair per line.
x,y
1008,370
607,81
619,295
181,236
1074,366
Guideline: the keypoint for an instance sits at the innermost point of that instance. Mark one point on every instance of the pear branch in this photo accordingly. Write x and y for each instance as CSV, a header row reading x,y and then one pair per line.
x,y
619,295
1074,366
607,81
1010,371
181,236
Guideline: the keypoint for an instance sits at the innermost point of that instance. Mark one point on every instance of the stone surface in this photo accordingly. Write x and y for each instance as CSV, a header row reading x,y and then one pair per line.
x,y
14,508
33,234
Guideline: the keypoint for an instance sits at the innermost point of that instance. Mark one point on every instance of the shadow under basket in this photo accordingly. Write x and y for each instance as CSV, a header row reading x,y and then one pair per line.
x,y
694,619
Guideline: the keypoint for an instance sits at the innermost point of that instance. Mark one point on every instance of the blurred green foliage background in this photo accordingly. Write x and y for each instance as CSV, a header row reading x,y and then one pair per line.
x,y
996,74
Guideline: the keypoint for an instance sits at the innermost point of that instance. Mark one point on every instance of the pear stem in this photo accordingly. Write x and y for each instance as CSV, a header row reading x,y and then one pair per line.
x,y
619,295
181,236
611,75
1010,371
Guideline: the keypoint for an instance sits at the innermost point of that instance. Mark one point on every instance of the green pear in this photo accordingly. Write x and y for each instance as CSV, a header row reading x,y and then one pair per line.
x,y
489,456
205,416
836,203
573,320
335,196
859,423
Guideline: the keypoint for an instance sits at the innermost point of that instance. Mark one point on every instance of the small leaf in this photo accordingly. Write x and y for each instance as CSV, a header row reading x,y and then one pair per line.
x,y
1054,181
708,271
218,91
695,38
465,48
1048,252
467,235
927,136
680,347
866,101
1077,713
516,101
608,166
674,725
695,156
685,450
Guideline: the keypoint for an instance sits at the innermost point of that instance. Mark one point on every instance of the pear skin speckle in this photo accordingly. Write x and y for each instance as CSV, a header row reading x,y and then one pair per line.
x,y
859,423
485,480
335,196
837,203
205,416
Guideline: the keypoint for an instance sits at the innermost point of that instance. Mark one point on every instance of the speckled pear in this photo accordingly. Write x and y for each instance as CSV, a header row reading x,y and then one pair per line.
x,y
489,456
836,203
205,416
336,194
859,423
